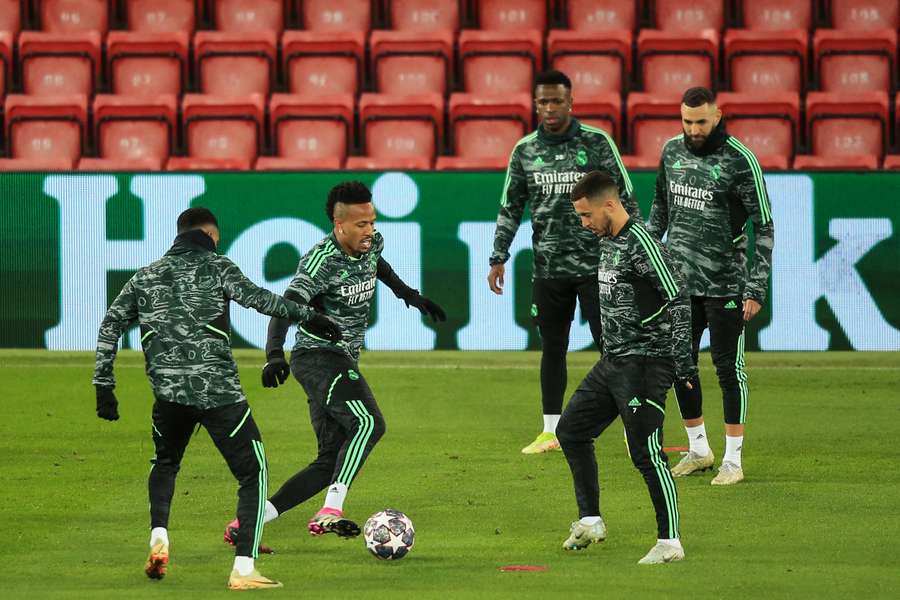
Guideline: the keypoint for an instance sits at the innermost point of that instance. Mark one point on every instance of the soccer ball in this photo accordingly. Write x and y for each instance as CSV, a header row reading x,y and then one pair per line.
x,y
389,534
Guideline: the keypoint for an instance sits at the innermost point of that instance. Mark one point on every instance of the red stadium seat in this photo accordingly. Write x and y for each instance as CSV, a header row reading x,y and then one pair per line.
x,y
221,130
134,128
411,62
808,162
596,62
847,124
424,15
74,16
147,64
235,64
39,165
278,163
652,120
500,62
852,61
600,15
768,124
776,15
401,127
766,61
116,164
892,162
488,127
370,163
633,162
512,15
865,15
187,163
11,16
59,64
249,16
462,163
323,63
161,16
689,16
46,128
6,54
336,15
310,128
603,111
672,62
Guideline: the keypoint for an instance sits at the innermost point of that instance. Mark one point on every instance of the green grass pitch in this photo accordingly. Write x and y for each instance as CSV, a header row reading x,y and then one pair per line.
x,y
816,517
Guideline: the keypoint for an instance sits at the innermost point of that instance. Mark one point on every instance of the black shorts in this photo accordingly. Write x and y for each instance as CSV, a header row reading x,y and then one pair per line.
x,y
553,300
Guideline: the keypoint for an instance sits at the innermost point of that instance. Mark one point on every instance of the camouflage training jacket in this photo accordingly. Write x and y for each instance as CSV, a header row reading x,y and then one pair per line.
x,y
181,302
339,286
643,306
543,169
704,200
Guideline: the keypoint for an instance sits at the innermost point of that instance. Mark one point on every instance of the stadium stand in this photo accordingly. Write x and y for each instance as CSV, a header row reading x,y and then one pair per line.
x,y
595,61
130,128
689,16
512,15
599,15
847,125
335,15
235,64
672,61
855,61
11,16
42,128
249,16
74,16
487,127
311,128
652,120
865,15
768,124
776,15
401,127
500,62
766,61
220,132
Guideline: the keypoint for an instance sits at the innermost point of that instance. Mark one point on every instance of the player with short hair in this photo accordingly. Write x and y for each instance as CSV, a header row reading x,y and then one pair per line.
x,y
709,189
337,277
646,347
543,168
181,302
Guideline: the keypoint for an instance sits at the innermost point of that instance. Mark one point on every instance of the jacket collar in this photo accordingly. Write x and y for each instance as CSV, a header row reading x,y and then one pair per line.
x,y
554,139
195,239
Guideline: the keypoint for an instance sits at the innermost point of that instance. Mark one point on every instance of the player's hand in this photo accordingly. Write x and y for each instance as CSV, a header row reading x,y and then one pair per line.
x,y
107,405
688,378
321,326
751,307
495,278
426,306
275,372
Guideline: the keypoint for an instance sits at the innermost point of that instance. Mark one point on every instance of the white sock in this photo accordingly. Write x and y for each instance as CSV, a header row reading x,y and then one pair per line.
x,y
672,542
733,446
550,423
159,534
243,565
590,520
335,496
698,439
271,512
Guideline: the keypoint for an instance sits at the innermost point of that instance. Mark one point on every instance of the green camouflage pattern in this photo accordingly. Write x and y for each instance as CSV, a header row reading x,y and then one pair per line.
x,y
181,302
341,287
542,171
705,204
643,305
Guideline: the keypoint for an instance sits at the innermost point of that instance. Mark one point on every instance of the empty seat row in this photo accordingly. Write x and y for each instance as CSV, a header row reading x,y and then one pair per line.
x,y
403,62
64,16
481,131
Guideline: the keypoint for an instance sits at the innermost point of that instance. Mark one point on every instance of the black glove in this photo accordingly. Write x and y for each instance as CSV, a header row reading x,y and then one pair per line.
x,y
275,371
427,307
107,405
321,326
688,376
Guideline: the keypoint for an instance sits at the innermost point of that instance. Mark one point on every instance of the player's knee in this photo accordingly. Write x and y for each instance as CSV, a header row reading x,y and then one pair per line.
x,y
727,375
379,428
166,465
554,339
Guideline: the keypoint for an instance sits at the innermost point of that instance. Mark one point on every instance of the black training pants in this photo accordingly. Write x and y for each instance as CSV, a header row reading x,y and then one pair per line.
x,y
235,434
633,387
725,319
345,418
552,310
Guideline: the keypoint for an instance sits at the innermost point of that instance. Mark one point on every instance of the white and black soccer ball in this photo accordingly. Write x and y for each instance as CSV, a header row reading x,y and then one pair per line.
x,y
389,534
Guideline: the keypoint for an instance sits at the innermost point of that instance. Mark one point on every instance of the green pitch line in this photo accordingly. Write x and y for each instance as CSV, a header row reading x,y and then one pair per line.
x,y
816,516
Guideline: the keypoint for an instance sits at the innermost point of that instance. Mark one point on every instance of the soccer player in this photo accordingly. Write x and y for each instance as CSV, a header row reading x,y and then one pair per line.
x,y
543,168
337,276
182,304
709,188
646,346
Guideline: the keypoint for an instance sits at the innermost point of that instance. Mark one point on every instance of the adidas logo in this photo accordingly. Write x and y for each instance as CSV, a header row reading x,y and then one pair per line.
x,y
731,304
634,402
